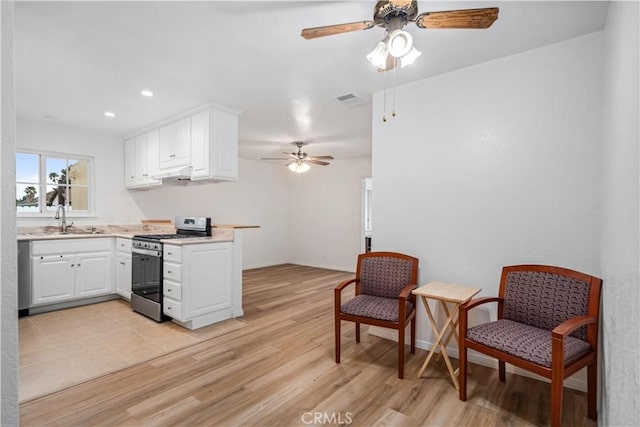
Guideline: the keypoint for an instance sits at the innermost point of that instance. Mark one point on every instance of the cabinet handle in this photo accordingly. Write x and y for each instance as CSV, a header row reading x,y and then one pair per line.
x,y
169,272
72,265
169,253
132,176
78,265
168,290
169,308
122,263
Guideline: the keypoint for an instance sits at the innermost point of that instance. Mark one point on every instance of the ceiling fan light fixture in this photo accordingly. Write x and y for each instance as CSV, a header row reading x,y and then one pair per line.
x,y
298,166
410,57
378,56
400,43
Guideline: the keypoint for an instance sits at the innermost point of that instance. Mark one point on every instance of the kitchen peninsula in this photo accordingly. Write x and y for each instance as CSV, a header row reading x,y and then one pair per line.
x,y
202,275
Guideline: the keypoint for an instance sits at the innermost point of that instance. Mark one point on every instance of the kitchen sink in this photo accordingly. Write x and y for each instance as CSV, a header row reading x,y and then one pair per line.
x,y
65,233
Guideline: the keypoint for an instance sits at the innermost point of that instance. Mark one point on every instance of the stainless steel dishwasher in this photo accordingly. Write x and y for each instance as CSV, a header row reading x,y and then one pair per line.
x,y
24,277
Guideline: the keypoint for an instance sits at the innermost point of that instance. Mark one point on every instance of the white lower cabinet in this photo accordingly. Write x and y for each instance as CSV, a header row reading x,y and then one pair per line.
x,y
198,283
71,269
123,267
53,278
93,274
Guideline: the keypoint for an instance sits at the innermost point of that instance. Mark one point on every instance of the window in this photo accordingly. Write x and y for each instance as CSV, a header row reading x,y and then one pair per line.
x,y
46,180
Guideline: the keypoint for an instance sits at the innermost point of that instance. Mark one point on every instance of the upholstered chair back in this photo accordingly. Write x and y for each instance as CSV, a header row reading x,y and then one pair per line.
x,y
384,276
544,300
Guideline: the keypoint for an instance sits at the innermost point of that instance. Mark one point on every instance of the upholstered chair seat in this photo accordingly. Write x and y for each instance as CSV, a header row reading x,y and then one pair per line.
x,y
525,342
375,307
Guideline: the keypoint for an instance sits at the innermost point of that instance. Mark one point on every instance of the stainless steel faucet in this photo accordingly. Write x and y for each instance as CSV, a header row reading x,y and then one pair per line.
x,y
63,219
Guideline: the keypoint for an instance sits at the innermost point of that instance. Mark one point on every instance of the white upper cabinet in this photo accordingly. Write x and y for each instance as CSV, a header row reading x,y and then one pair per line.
x,y
214,145
130,162
198,145
175,144
141,160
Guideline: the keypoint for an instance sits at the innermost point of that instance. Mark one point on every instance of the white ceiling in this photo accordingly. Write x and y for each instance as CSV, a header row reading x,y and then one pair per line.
x,y
76,60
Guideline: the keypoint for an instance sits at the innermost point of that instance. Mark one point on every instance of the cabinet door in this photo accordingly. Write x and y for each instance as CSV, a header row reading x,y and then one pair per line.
x,y
52,278
200,145
206,280
130,162
141,159
175,144
165,147
153,156
181,132
225,145
123,275
93,275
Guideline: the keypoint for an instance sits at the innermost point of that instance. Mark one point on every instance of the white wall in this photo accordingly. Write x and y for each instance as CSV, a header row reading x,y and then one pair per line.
x,y
325,214
259,197
113,202
620,230
8,249
493,165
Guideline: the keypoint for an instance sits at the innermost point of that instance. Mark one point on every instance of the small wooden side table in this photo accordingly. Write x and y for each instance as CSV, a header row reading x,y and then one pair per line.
x,y
445,293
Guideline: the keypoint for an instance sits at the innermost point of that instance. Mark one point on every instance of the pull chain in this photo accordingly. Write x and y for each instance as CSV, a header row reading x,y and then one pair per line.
x,y
393,112
384,97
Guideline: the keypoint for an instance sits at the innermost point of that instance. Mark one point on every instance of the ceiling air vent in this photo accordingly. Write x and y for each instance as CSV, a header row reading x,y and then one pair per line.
x,y
351,100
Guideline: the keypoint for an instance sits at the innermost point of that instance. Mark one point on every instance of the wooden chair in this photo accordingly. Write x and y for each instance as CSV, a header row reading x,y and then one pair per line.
x,y
383,285
547,324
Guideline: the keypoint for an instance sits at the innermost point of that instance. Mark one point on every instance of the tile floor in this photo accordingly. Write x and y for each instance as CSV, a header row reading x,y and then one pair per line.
x,y
66,347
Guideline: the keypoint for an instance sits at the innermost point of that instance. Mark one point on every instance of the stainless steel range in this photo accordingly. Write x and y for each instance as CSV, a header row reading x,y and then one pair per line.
x,y
146,266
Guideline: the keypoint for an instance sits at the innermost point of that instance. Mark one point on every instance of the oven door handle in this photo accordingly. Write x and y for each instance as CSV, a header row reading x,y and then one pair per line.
x,y
156,254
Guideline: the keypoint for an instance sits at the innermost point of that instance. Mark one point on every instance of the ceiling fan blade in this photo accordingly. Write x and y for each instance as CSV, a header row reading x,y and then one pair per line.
x,y
273,158
320,158
317,162
329,30
466,18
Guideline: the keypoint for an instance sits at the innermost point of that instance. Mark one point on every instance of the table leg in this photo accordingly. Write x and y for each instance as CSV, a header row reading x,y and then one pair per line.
x,y
453,330
443,350
432,321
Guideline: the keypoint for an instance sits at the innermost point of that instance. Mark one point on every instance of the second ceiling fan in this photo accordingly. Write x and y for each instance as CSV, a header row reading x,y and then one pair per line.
x,y
298,161
393,15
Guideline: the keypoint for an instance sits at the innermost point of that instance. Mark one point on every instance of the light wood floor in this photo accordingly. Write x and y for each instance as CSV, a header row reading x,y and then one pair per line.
x,y
280,371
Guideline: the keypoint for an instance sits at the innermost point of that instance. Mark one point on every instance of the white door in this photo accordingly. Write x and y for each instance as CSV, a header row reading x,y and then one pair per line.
x,y
200,146
53,278
208,279
93,275
141,159
130,162
123,275
225,145
153,156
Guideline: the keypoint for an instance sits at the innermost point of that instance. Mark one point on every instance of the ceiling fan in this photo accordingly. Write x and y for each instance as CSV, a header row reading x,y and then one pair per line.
x,y
299,161
393,15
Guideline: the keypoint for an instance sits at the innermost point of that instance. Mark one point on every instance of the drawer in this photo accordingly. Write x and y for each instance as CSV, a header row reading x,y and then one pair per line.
x,y
172,253
123,245
172,272
172,290
62,246
172,308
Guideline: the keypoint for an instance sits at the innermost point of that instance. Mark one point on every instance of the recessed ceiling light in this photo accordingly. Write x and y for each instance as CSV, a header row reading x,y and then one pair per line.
x,y
146,93
109,114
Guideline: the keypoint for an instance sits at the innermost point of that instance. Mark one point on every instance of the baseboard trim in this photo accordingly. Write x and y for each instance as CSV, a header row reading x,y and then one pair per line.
x,y
572,382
